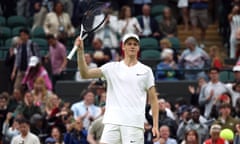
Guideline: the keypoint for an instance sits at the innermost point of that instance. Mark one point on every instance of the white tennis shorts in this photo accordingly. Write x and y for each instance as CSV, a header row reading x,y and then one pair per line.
x,y
118,134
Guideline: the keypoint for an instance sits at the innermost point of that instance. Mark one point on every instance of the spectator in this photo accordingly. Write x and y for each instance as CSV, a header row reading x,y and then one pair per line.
x,y
10,130
10,59
234,18
215,136
225,120
108,32
165,136
58,23
199,16
90,64
138,4
183,5
25,50
191,137
23,8
39,15
166,44
168,25
193,60
167,69
3,111
127,23
211,91
78,135
25,135
101,54
214,54
148,24
35,70
195,124
237,135
58,59
85,109
56,136
15,100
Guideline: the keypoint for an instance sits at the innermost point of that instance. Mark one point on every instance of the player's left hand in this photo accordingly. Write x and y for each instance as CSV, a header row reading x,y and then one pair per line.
x,y
156,134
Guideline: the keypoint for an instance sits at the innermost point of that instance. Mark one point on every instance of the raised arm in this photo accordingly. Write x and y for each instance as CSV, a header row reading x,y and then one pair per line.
x,y
82,65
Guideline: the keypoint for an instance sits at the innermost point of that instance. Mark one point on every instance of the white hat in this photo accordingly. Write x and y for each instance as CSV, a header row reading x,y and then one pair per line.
x,y
33,61
130,35
215,128
166,52
236,68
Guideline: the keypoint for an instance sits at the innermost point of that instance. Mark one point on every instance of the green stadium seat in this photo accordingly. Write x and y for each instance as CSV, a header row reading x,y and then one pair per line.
x,y
175,43
158,18
15,30
42,43
150,54
5,33
149,43
157,9
8,43
15,21
2,21
38,32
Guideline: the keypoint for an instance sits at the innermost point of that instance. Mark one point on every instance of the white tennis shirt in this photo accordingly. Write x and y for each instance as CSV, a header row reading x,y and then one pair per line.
x,y
126,93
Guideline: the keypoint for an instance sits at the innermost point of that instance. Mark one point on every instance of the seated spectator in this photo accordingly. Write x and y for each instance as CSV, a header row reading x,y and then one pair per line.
x,y
191,137
25,134
10,130
193,60
85,109
148,24
167,69
15,100
90,64
168,25
58,23
55,137
127,23
78,135
214,54
101,54
165,138
35,70
215,136
225,120
195,124
166,44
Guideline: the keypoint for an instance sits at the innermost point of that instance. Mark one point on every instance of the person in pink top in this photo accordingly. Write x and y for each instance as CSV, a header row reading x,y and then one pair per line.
x,y
35,70
57,56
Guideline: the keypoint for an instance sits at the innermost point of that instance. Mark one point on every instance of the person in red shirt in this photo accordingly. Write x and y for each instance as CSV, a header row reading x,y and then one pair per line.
x,y
215,136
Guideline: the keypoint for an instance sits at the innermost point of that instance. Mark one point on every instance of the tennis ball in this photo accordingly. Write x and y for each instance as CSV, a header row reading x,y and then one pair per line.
x,y
227,134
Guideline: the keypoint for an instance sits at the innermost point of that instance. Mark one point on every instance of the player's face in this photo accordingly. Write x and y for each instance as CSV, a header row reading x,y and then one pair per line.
x,y
131,47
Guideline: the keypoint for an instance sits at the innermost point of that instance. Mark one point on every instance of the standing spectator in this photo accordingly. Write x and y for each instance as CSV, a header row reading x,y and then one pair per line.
x,y
215,136
3,111
25,50
108,31
86,110
15,100
199,16
58,23
193,59
183,5
127,23
234,20
191,137
165,136
211,92
35,70
25,135
168,25
10,59
58,59
23,8
148,24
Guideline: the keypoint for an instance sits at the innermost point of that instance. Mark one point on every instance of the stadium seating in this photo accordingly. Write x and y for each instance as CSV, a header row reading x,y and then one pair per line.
x,y
5,33
150,54
2,21
157,9
41,42
38,32
149,43
15,31
15,21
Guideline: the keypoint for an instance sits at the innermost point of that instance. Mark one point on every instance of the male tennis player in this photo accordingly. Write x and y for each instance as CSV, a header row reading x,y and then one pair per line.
x,y
128,84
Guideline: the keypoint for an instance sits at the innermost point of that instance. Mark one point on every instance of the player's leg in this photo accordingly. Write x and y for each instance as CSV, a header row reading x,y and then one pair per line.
x,y
111,134
132,135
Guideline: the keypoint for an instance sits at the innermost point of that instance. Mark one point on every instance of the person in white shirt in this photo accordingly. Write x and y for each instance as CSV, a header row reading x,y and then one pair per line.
x,y
128,84
25,137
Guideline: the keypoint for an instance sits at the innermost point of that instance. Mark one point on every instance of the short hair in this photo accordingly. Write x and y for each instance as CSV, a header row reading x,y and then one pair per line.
x,y
23,121
24,30
166,41
192,40
214,69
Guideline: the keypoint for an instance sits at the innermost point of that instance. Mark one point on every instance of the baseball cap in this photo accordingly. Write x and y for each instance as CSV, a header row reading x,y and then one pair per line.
x,y
215,128
236,68
130,35
33,61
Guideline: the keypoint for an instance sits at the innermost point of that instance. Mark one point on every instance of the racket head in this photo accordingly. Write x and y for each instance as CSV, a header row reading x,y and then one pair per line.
x,y
93,10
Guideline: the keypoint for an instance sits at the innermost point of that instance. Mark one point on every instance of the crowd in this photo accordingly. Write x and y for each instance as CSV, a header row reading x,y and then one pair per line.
x,y
34,113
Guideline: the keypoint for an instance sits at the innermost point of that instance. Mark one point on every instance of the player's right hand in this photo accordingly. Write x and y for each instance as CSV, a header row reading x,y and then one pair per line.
x,y
79,43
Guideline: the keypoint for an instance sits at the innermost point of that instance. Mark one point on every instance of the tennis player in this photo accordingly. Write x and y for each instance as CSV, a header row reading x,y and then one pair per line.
x,y
128,84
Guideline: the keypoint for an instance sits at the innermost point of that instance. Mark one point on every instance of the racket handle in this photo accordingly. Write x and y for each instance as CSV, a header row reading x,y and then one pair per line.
x,y
70,55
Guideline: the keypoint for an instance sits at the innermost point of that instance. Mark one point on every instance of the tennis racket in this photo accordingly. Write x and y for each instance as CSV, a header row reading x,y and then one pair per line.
x,y
86,28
